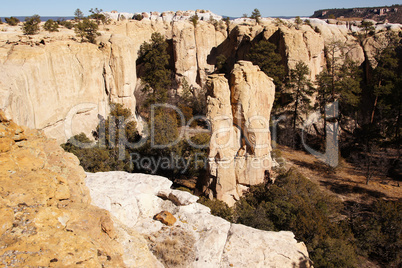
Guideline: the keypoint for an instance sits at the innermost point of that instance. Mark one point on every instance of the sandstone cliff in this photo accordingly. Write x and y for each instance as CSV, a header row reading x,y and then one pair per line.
x,y
52,82
240,147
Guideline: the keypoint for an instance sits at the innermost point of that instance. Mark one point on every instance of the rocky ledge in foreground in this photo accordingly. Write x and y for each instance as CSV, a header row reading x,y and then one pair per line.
x,y
46,219
192,237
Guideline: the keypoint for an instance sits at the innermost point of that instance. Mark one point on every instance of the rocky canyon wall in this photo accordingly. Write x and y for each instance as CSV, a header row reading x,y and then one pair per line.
x,y
53,82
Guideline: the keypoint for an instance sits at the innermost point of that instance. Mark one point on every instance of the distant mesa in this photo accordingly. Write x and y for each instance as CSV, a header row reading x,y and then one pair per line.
x,y
392,14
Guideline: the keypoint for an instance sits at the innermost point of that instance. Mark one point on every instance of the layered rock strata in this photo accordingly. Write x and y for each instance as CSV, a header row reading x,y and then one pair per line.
x,y
239,114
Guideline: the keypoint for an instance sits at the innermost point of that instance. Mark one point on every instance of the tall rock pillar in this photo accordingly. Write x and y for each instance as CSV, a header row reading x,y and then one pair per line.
x,y
224,140
239,112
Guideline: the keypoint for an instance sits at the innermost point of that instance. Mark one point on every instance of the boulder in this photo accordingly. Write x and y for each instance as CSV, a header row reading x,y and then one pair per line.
x,y
165,217
261,248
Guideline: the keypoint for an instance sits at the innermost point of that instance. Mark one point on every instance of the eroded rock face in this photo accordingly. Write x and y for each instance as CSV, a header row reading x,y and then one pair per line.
x,y
239,112
305,45
60,87
52,82
211,241
46,216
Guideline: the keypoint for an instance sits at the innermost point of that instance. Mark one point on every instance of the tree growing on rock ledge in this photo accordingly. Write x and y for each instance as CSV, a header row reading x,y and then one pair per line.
x,y
157,75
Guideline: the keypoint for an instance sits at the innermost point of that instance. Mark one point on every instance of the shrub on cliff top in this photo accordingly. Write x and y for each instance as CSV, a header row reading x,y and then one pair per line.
x,y
31,25
194,19
87,30
66,23
51,26
12,21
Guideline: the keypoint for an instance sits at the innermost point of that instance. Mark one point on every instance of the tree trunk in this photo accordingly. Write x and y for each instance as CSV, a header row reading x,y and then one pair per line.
x,y
295,111
374,107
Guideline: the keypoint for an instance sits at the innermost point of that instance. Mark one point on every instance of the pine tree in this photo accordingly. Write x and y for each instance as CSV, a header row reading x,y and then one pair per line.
x,y
349,89
386,88
270,62
339,81
367,27
256,15
264,55
157,75
302,89
78,15
97,15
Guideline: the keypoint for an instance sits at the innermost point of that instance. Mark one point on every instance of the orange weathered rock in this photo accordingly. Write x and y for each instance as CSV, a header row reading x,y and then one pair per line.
x,y
46,217
165,217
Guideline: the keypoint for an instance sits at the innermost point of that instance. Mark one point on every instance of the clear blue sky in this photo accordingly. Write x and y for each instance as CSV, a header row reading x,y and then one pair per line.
x,y
232,8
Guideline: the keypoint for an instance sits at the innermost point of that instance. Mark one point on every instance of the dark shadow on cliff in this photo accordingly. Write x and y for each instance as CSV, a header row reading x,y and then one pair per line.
x,y
303,262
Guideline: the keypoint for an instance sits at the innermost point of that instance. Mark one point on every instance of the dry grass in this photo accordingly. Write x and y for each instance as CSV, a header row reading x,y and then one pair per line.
x,y
174,247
